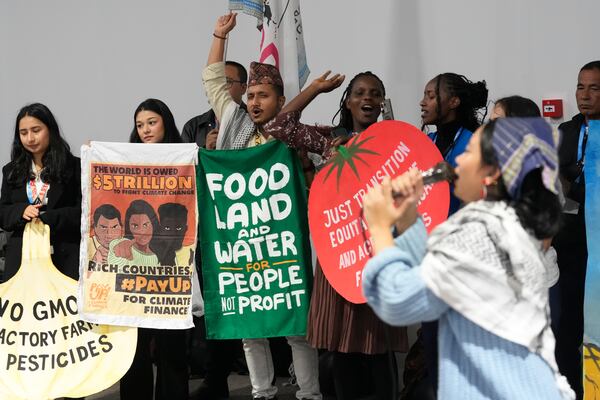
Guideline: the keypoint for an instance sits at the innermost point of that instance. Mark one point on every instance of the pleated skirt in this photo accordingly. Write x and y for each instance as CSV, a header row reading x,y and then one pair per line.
x,y
336,324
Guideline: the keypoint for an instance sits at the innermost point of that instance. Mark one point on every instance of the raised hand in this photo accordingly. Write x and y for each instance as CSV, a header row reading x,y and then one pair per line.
x,y
325,85
225,24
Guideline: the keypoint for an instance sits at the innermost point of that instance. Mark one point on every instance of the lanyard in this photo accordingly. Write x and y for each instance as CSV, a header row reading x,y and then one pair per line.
x,y
582,145
33,196
449,149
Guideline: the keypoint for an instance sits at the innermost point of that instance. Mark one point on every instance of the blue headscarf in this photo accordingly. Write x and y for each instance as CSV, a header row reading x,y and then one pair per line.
x,y
523,145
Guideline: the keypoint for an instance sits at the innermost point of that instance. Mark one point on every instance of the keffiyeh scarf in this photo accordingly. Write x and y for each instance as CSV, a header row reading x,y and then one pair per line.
x,y
487,267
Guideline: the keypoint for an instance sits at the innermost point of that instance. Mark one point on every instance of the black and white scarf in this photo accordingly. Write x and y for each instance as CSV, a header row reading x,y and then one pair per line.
x,y
487,267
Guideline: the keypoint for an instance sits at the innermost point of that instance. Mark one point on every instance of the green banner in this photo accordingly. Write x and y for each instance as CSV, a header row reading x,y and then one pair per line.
x,y
256,262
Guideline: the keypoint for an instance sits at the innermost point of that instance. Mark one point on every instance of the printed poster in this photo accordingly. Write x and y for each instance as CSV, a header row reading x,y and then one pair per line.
x,y
46,350
256,262
138,234
337,226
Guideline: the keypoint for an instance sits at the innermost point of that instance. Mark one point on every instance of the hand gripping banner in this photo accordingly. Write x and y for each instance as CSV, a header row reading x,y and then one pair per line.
x,y
256,263
138,234
46,351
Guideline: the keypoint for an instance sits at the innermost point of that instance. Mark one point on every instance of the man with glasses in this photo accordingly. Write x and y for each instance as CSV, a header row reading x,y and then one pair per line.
x,y
214,359
203,129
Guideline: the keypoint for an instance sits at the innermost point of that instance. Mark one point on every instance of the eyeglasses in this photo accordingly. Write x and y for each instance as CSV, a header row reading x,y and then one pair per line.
x,y
230,82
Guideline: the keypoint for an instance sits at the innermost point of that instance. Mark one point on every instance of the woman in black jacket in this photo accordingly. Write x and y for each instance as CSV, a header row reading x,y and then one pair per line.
x,y
154,123
42,180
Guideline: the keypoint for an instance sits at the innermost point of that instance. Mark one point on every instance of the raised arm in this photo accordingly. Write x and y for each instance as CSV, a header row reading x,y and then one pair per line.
x,y
225,24
320,85
287,127
213,76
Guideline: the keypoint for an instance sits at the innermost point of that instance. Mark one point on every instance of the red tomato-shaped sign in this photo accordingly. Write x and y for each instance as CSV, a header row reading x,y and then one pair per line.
x,y
339,232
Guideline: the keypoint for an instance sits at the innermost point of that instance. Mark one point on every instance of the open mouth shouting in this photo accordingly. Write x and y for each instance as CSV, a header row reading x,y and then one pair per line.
x,y
256,113
368,109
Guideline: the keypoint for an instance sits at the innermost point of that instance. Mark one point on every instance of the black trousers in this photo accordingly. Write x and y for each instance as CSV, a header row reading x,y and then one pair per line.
x,y
220,354
357,375
220,357
170,354
429,335
566,301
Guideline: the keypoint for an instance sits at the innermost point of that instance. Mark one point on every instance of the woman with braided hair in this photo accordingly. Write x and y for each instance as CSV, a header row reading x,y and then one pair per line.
x,y
451,102
353,334
356,116
359,108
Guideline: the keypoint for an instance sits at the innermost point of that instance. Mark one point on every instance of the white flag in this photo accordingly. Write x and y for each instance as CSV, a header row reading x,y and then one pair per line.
x,y
282,43
250,7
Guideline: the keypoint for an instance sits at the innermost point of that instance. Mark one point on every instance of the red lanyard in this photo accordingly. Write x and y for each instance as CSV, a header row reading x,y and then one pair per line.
x,y
35,198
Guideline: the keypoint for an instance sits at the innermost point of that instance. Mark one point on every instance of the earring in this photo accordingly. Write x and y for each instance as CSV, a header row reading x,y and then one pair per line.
x,y
484,191
484,187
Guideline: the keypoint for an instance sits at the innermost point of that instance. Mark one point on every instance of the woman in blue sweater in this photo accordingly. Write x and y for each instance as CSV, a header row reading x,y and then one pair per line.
x,y
482,273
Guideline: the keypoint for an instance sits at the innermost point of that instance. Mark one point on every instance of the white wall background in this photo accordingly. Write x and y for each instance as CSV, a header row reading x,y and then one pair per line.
x,y
93,62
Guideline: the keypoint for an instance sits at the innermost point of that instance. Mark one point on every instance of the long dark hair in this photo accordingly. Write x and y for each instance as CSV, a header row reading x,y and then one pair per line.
x,y
171,132
345,120
54,160
538,208
473,97
141,207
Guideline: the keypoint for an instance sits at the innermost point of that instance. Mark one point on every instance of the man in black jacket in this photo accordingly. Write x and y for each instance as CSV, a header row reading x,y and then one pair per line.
x,y
218,356
570,243
203,129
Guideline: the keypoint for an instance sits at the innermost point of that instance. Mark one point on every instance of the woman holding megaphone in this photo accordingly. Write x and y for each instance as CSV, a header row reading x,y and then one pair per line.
x,y
483,273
